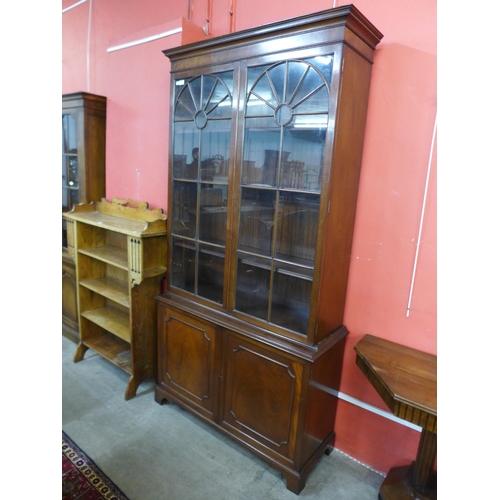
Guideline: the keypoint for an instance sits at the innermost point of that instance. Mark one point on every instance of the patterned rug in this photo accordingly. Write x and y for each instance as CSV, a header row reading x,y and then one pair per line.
x,y
82,479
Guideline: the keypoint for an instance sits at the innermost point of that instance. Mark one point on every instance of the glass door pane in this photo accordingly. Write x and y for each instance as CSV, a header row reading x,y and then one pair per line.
x,y
253,282
291,297
211,272
183,264
70,193
257,213
202,146
69,163
297,227
286,117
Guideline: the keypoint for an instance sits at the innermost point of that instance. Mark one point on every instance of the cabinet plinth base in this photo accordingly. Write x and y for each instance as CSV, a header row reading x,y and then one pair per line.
x,y
295,480
398,486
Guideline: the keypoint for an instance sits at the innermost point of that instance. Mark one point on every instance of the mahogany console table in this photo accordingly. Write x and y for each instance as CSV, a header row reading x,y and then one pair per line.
x,y
406,379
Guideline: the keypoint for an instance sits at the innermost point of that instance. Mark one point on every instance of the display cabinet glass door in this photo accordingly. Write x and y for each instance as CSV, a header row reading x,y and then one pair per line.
x,y
202,146
69,163
70,185
284,137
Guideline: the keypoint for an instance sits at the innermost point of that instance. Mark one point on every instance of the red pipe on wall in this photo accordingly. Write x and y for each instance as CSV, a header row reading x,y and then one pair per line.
x,y
232,8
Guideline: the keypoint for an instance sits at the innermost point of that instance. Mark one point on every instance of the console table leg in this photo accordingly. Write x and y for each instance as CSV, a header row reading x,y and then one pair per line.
x,y
423,467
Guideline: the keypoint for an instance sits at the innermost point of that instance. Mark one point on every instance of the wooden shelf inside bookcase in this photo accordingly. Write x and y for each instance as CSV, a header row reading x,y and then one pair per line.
x,y
113,349
110,288
109,254
111,320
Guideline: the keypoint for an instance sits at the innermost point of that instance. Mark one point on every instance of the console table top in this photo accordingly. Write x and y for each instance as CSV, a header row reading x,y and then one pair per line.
x,y
405,378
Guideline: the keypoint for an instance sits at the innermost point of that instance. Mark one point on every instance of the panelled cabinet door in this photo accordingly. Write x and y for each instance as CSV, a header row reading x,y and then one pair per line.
x,y
262,396
188,361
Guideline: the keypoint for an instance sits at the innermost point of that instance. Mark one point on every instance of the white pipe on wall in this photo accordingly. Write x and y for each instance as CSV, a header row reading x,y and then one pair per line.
x,y
408,308
145,40
366,406
378,411
73,6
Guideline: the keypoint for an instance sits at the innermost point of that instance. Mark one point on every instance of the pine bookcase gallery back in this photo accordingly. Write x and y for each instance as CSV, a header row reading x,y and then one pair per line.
x,y
120,251
267,131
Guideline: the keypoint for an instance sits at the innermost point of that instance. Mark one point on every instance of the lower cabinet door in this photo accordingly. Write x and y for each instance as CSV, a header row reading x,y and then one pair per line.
x,y
189,361
262,393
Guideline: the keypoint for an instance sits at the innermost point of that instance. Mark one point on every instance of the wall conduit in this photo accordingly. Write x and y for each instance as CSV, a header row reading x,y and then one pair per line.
x,y
73,6
408,308
145,40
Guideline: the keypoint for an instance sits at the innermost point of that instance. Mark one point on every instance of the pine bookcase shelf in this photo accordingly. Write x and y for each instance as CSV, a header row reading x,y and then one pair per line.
x,y
120,250
112,320
110,288
114,256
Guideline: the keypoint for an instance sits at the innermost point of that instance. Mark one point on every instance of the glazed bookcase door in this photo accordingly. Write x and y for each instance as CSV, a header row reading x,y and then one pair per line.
x,y
70,174
200,189
285,129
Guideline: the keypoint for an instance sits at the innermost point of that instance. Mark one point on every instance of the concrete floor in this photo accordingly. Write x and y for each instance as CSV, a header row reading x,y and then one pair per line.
x,y
155,452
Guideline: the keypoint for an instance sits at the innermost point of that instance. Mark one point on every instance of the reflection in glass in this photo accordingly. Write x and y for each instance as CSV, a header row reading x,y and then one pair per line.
x,y
210,94
261,151
73,171
256,220
297,84
291,298
324,64
184,209
306,137
213,213
64,234
252,287
183,264
215,151
211,272
70,195
186,147
285,125
69,144
297,227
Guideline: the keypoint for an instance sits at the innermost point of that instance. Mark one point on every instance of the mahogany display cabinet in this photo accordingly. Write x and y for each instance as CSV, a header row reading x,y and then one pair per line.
x,y
267,130
83,181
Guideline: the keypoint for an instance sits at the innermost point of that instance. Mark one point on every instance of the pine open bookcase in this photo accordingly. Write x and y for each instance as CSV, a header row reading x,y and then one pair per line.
x,y
120,254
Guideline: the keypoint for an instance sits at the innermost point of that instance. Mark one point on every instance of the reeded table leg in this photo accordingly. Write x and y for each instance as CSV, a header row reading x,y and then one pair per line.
x,y
415,482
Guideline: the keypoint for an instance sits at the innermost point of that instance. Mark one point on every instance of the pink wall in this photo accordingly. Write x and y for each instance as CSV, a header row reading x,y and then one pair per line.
x,y
397,151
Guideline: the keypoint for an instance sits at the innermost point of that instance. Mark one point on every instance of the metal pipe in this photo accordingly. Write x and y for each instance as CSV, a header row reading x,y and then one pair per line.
x,y
408,308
